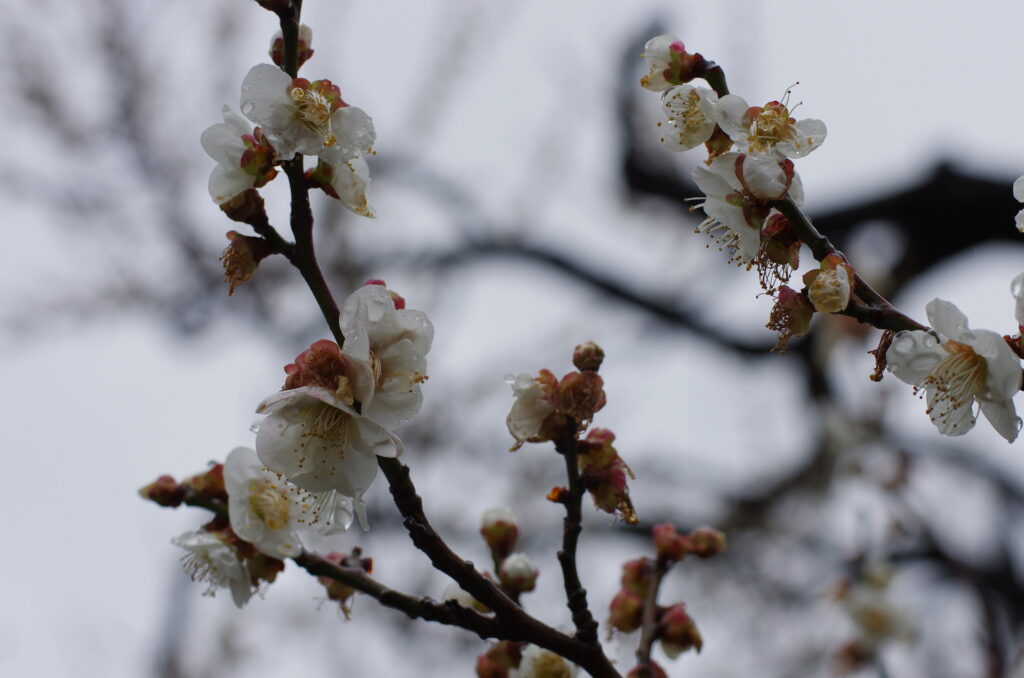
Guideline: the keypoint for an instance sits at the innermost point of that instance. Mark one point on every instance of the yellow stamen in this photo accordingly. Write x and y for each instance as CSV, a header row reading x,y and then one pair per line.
x,y
314,111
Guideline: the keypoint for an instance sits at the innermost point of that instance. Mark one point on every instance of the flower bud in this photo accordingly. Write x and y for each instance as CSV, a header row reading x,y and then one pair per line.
x,y
707,542
499,659
588,357
518,574
626,611
636,575
305,49
654,671
829,288
579,395
540,663
209,485
456,594
165,491
247,207
671,545
678,631
500,530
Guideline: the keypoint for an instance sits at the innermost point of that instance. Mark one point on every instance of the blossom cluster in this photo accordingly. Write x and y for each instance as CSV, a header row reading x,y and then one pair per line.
x,y
291,115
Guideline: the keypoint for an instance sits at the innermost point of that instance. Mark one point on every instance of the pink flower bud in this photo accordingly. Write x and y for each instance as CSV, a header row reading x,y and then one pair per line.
x,y
678,631
707,542
579,395
209,485
654,671
499,659
626,611
165,491
671,545
636,575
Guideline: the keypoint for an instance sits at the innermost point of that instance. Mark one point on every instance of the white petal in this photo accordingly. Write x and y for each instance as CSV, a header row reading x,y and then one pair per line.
x,y
264,91
913,355
350,180
951,418
1017,290
1019,220
729,114
765,177
355,133
1018,189
946,318
1003,417
810,134
226,183
1003,370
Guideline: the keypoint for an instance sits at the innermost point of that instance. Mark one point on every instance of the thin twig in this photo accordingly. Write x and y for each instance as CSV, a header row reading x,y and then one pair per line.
x,y
576,595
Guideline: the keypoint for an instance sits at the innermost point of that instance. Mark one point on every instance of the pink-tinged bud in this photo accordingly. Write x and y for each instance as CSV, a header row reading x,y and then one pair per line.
x,y
579,395
790,317
164,491
209,485
671,546
653,671
247,207
678,631
604,474
499,659
587,357
305,49
397,299
500,530
636,575
335,589
707,542
518,574
626,611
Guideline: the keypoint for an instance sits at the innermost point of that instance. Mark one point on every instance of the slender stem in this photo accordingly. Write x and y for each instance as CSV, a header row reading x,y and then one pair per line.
x,y
576,595
648,633
871,308
715,77
304,257
261,224
526,628
290,33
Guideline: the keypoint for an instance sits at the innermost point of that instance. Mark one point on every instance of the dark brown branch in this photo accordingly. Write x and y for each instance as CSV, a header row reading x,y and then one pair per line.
x,y
576,595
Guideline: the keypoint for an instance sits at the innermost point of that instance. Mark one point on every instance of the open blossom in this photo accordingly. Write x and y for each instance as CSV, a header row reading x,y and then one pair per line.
x,y
534,402
956,369
393,342
245,159
213,561
305,117
273,514
663,54
314,435
768,129
691,116
737,188
1018,193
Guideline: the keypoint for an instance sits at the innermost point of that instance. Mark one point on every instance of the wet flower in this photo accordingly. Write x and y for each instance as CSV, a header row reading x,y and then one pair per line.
x,y
664,56
956,368
314,435
691,116
534,402
245,158
273,514
1018,193
392,342
768,129
216,563
299,116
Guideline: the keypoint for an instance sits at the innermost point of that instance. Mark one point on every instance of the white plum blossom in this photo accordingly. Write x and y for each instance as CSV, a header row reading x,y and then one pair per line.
x,y
1018,193
662,53
735,211
273,514
768,129
691,116
957,368
540,663
1017,290
348,181
316,438
211,560
829,292
244,157
299,116
532,406
393,341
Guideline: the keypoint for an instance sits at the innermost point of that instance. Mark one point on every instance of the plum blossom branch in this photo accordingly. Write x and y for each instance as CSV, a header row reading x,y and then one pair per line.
x,y
875,309
576,595
648,632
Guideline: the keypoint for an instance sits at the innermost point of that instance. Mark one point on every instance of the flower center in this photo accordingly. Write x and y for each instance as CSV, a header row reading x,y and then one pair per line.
x,y
323,421
269,501
314,111
955,382
687,114
771,126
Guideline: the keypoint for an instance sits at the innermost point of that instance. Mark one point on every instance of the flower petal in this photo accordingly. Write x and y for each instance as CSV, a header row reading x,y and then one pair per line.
x,y
1003,417
946,319
913,355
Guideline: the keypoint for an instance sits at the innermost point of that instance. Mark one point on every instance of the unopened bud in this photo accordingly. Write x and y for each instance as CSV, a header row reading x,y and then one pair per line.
x,y
707,542
588,357
540,663
209,485
247,207
500,530
678,631
653,671
457,594
164,491
626,611
636,575
579,395
305,49
671,545
829,287
518,574
499,659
